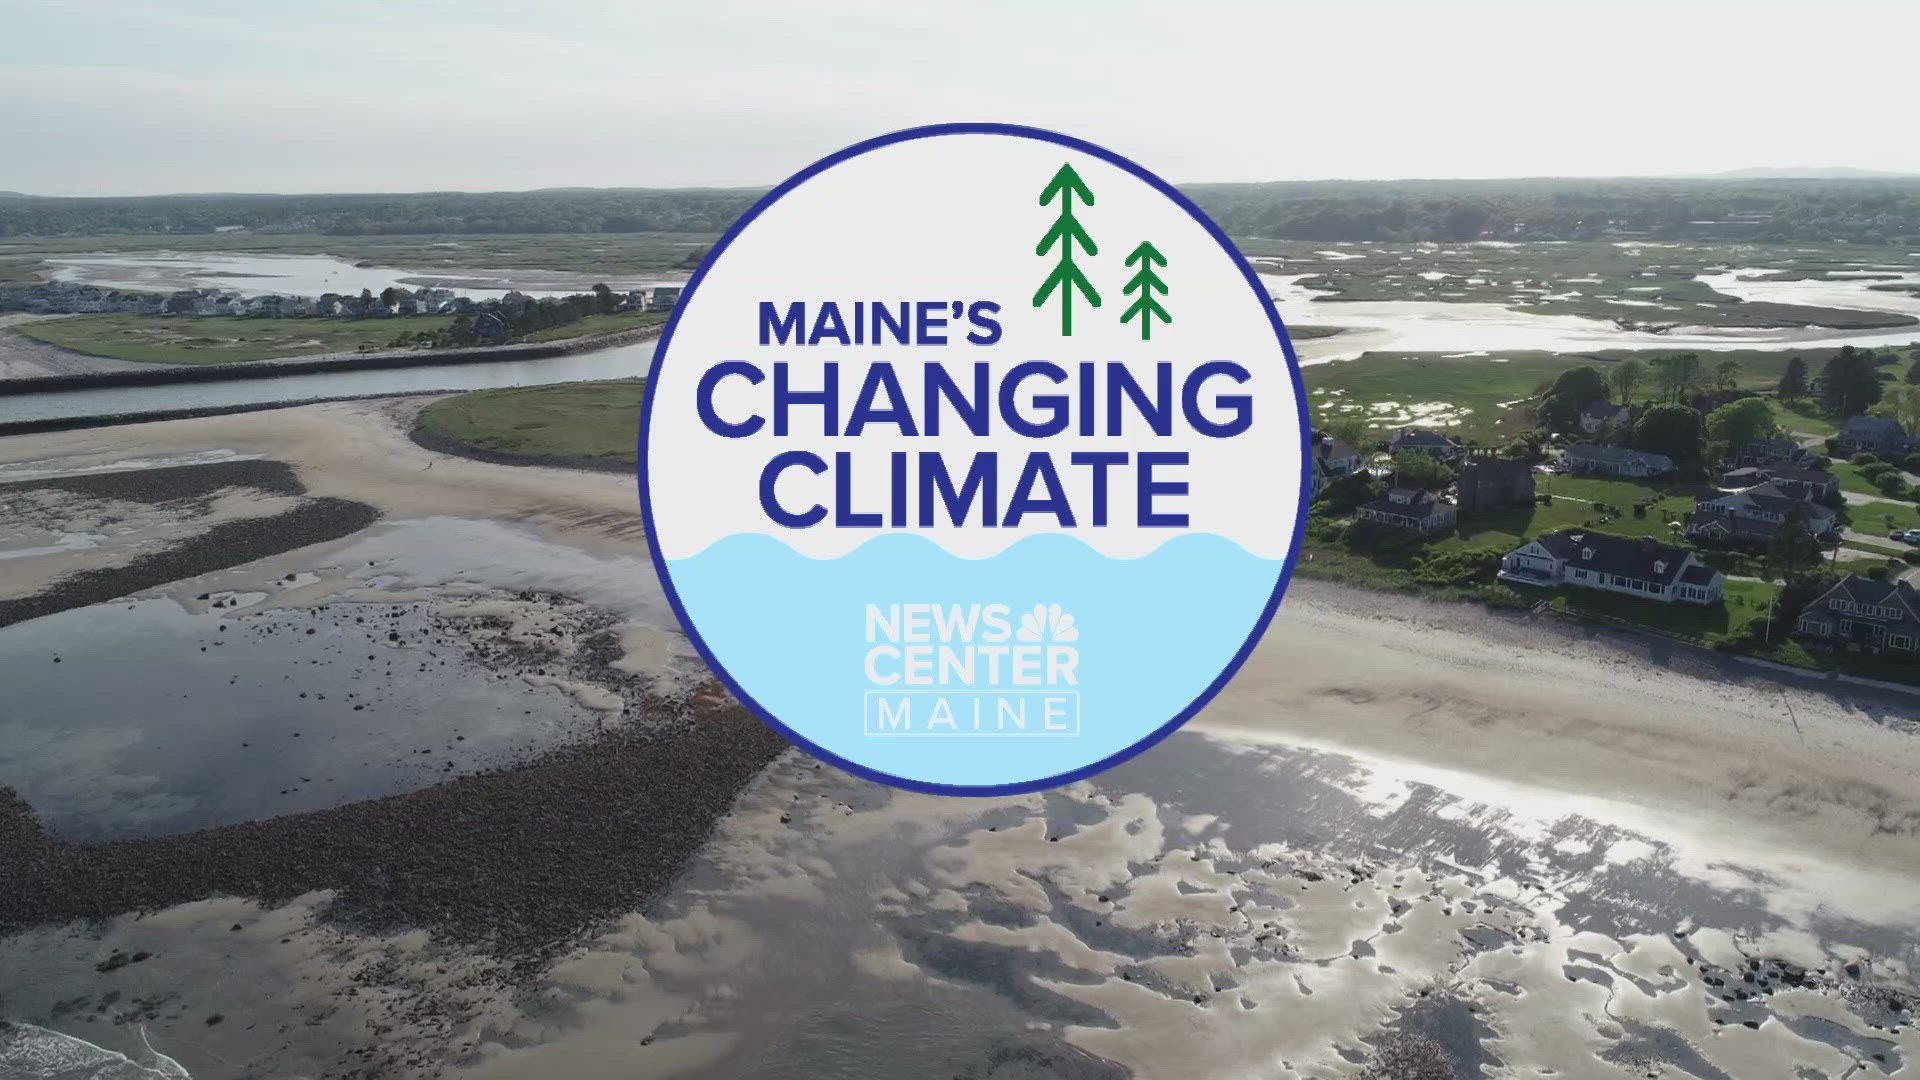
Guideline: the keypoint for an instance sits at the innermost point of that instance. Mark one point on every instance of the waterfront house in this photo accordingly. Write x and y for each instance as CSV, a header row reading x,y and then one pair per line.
x,y
664,297
1861,614
1812,485
1615,461
1871,435
1410,508
1420,440
1634,566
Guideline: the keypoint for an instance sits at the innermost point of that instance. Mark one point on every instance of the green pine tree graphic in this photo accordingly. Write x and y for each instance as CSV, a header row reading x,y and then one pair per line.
x,y
1144,281
1066,231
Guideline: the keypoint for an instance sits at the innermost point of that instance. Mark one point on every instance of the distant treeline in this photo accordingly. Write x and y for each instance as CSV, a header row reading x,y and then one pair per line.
x,y
1861,211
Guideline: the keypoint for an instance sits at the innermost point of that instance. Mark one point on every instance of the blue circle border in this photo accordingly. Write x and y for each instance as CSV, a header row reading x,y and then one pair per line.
x,y
1260,624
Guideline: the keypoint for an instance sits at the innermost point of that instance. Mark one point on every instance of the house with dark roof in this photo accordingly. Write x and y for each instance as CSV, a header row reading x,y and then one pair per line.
x,y
1410,508
1757,513
1871,435
1340,457
1431,443
1863,615
1615,461
1812,485
1598,416
1776,451
1636,566
1487,483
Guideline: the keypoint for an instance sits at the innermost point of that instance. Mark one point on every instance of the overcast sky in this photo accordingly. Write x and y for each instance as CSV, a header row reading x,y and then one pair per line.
x,y
147,96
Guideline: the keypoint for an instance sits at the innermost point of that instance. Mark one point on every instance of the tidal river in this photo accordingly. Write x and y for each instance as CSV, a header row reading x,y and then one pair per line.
x,y
1372,326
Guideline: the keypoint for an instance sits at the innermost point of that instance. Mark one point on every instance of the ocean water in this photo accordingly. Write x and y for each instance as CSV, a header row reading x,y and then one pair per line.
x,y
1147,637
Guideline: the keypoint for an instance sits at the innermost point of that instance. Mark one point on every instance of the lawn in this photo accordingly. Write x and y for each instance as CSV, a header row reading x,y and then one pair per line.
x,y
1804,415
219,339
1877,519
1572,507
597,421
1741,602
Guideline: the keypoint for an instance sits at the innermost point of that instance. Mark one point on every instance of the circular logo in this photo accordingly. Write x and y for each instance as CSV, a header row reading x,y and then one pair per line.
x,y
974,459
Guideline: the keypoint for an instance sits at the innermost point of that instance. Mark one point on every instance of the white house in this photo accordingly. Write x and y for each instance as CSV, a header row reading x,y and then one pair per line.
x,y
1409,508
1635,566
1598,416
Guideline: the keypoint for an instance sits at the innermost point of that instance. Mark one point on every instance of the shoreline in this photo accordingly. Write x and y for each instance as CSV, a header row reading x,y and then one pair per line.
x,y
156,374
1504,710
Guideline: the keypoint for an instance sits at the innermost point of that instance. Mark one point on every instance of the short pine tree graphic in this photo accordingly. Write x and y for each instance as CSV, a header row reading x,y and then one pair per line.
x,y
1066,232
1144,282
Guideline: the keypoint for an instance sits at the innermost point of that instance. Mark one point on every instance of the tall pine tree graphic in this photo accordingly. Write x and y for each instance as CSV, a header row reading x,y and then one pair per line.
x,y
1145,281
1066,231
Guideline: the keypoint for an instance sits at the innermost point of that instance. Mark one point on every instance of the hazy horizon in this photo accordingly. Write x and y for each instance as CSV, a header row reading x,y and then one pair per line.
x,y
1843,173
118,97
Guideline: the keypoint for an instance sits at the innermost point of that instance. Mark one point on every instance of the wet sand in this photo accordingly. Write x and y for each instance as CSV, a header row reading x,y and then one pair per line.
x,y
1374,752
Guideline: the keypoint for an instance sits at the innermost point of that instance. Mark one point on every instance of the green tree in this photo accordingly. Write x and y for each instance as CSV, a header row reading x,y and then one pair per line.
x,y
1731,426
1913,372
1571,391
1352,430
1066,231
1144,282
1793,382
1849,384
1794,549
603,298
388,295
1626,379
1901,402
1726,375
1677,374
1673,430
1411,468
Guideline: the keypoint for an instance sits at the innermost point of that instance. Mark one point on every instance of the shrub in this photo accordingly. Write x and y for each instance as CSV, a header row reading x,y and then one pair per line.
x,y
1639,509
1873,470
1832,444
1877,572
1459,567
1912,555
1865,458
1546,498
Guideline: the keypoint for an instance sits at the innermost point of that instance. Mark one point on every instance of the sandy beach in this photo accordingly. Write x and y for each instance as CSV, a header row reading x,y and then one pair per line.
x,y
1795,804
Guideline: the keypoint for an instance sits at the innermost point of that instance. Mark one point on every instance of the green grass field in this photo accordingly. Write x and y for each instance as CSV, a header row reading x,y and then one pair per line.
x,y
1486,398
600,324
588,255
218,339
596,421
1740,603
1470,396
1573,506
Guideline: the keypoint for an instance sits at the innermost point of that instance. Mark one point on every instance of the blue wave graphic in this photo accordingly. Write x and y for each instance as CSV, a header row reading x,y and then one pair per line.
x,y
1151,633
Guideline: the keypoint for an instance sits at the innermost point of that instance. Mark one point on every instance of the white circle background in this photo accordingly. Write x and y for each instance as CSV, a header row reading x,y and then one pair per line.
x,y
957,217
